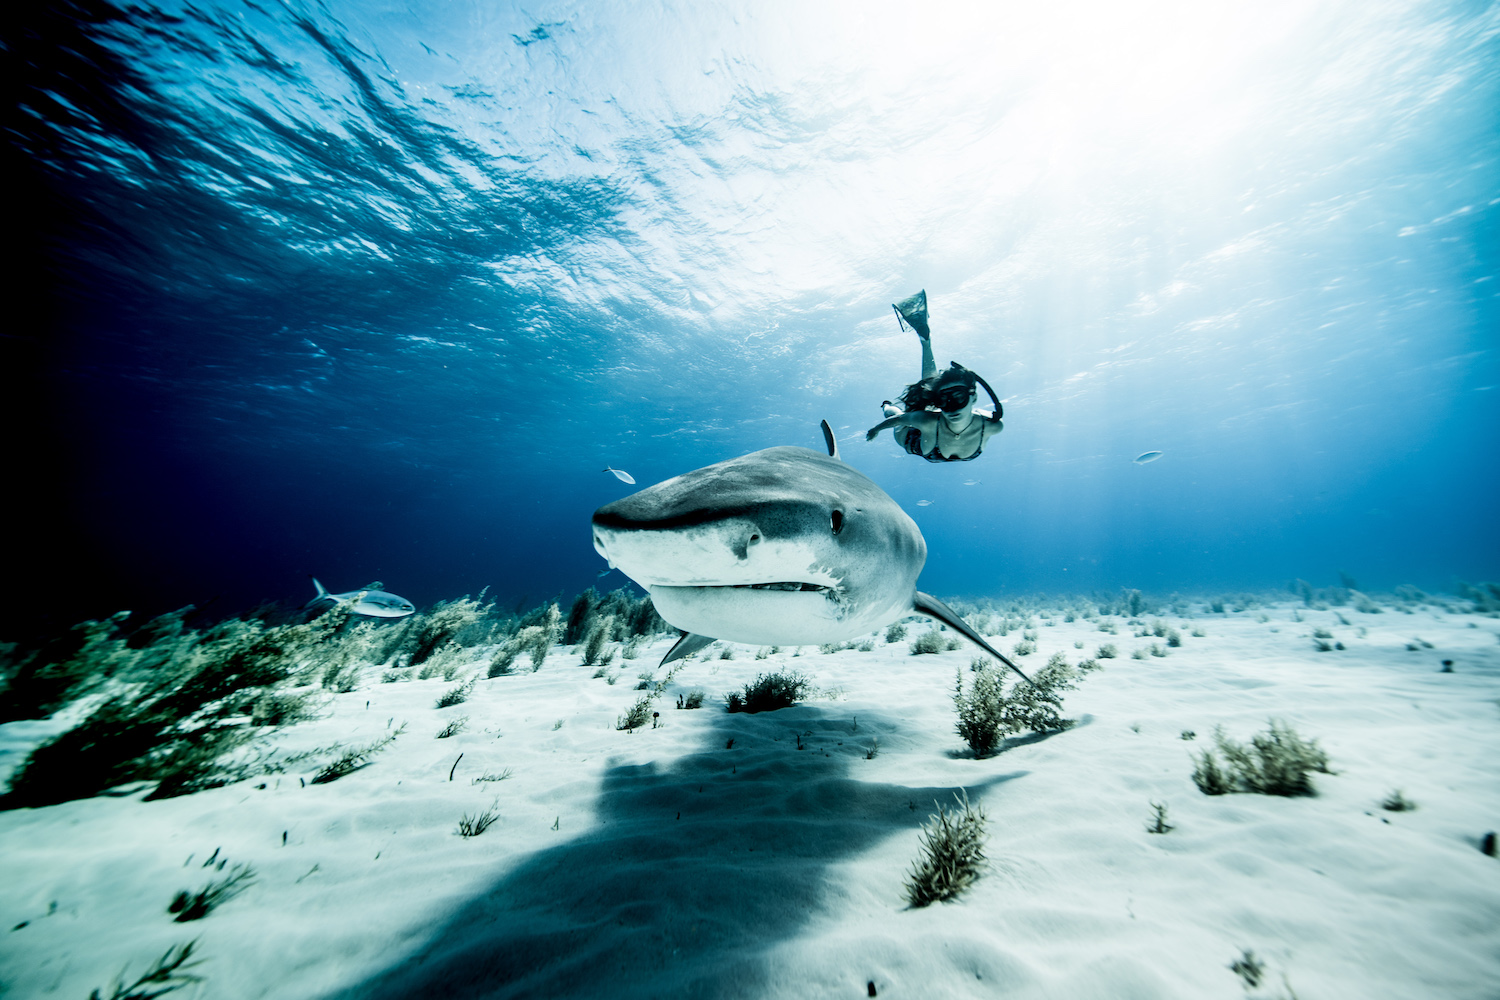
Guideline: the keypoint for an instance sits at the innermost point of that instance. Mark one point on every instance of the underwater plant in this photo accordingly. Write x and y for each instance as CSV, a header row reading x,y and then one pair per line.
x,y
166,975
36,684
1249,968
594,641
447,622
987,714
933,641
769,692
177,706
352,760
1396,802
536,640
196,906
456,695
982,718
637,715
504,658
580,617
473,826
1485,596
1277,762
952,854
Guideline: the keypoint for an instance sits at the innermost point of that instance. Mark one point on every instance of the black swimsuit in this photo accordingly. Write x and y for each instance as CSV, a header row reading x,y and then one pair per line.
x,y
913,446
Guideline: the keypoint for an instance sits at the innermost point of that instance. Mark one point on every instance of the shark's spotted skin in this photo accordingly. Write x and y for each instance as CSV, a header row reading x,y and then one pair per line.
x,y
784,546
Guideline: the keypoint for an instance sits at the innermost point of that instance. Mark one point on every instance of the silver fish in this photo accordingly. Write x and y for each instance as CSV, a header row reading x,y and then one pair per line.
x,y
370,601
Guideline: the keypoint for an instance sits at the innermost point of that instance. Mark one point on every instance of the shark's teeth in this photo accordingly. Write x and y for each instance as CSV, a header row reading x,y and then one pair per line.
x,y
780,586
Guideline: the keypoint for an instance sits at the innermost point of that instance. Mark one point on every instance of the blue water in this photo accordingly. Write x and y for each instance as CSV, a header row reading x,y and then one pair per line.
x,y
371,291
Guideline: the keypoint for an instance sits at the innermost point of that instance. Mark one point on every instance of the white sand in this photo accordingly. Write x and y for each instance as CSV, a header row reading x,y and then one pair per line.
x,y
783,874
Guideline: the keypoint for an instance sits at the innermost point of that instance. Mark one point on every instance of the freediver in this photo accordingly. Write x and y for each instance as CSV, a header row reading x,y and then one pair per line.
x,y
936,417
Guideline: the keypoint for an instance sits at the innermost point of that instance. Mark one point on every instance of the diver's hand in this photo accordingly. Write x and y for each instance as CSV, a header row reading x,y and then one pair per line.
x,y
871,434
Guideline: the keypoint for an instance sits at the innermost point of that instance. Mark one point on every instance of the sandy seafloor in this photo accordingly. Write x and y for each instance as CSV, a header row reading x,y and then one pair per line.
x,y
663,863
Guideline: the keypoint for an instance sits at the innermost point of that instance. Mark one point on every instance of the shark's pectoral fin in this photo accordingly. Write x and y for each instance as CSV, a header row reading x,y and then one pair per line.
x,y
829,440
926,604
689,644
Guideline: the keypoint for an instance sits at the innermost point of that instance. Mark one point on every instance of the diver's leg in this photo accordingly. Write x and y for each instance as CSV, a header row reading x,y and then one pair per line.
x,y
929,366
913,313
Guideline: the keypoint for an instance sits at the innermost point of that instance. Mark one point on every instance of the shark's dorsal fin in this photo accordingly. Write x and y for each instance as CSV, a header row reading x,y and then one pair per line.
x,y
322,590
926,604
829,439
689,644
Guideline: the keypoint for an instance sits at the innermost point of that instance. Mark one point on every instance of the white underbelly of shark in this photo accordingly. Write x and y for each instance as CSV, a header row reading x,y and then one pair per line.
x,y
767,615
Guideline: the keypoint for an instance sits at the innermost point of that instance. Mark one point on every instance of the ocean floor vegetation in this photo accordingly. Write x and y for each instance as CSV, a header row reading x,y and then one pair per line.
x,y
281,777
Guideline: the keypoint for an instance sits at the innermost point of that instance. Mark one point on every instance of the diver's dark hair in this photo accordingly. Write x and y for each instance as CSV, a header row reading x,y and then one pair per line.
x,y
920,395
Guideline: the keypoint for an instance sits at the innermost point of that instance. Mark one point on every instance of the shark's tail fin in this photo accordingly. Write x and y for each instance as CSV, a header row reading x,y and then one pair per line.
x,y
321,595
829,439
926,604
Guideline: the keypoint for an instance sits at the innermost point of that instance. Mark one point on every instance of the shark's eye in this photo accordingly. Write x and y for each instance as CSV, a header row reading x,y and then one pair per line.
x,y
837,521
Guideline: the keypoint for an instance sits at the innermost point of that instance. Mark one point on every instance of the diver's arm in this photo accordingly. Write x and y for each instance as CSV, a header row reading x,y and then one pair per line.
x,y
992,425
916,419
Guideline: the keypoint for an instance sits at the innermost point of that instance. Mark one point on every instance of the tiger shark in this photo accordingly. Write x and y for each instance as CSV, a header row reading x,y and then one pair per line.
x,y
785,546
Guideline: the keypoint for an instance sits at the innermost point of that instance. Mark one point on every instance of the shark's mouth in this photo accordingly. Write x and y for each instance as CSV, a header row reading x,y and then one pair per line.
x,y
814,587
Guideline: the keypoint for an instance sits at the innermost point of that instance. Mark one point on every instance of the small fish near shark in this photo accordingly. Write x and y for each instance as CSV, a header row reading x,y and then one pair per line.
x,y
620,474
1146,456
370,601
785,546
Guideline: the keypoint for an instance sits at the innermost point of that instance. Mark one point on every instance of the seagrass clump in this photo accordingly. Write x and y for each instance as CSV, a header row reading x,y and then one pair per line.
x,y
952,854
769,692
1276,762
195,906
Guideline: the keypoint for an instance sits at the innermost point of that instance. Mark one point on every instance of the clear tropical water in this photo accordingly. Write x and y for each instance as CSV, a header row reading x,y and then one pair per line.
x,y
370,290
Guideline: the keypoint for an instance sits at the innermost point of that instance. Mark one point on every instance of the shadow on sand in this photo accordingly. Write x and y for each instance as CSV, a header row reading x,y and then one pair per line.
x,y
648,903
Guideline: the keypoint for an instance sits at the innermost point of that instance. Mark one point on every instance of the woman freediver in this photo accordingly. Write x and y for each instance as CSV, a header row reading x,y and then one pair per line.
x,y
936,417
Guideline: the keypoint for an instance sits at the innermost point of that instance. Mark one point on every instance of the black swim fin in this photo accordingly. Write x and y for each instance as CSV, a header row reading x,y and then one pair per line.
x,y
689,644
829,440
912,312
926,604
